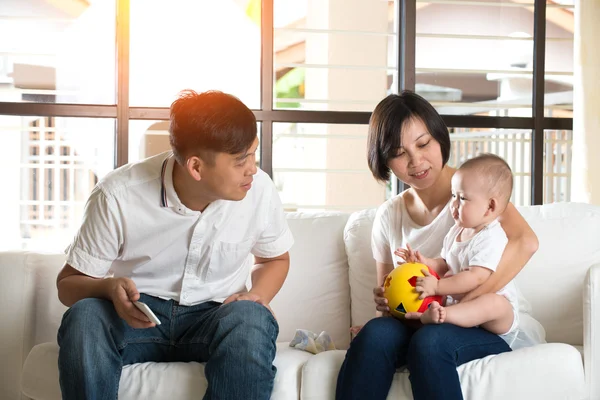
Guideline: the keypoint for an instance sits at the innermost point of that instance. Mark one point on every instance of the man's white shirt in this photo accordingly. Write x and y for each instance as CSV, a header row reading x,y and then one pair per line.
x,y
135,226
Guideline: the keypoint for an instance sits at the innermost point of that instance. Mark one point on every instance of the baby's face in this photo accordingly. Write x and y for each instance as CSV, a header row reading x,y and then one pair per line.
x,y
470,199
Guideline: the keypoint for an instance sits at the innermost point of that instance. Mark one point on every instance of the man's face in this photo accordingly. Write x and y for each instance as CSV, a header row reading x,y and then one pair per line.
x,y
231,175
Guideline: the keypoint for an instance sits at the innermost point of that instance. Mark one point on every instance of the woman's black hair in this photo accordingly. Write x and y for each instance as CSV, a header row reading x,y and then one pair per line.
x,y
387,122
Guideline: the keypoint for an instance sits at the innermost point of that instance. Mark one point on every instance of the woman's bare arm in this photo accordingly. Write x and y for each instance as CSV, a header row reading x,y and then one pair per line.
x,y
522,244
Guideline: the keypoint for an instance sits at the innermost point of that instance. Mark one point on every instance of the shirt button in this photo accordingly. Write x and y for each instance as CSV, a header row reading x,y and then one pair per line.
x,y
185,296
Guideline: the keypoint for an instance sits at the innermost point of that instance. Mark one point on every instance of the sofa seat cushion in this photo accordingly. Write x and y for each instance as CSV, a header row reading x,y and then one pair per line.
x,y
546,371
152,380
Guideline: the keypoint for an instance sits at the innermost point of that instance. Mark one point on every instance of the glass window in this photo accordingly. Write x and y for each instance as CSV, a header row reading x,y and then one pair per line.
x,y
560,26
322,166
328,56
475,57
58,52
51,165
558,154
191,44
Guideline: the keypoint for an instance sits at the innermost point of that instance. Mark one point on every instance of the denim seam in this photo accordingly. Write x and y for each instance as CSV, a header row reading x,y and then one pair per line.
x,y
141,341
473,345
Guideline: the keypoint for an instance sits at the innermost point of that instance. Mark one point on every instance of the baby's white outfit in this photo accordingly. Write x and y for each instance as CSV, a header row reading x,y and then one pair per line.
x,y
484,250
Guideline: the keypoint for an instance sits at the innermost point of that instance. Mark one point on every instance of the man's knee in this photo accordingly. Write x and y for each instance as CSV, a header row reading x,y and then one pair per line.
x,y
87,318
256,320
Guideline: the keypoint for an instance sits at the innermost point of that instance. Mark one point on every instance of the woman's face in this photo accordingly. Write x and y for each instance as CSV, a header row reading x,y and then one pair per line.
x,y
418,162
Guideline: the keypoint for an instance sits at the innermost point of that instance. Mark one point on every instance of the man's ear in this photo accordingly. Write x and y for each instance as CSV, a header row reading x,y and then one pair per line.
x,y
194,165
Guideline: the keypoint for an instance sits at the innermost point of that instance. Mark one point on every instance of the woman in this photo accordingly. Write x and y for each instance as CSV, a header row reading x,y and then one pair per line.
x,y
408,137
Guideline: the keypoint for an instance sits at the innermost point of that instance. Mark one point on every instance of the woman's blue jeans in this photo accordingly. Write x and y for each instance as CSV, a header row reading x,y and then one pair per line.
x,y
432,353
236,340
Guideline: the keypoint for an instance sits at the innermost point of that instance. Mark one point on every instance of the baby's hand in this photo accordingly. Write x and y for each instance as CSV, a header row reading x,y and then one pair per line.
x,y
408,255
426,285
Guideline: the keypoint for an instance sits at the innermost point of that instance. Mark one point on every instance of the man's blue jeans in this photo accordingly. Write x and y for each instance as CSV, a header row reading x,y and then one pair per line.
x,y
431,354
237,340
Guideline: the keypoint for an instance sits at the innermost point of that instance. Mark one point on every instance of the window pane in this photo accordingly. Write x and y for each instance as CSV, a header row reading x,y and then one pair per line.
x,y
148,138
514,145
329,56
200,45
51,165
475,58
558,146
321,166
58,52
560,25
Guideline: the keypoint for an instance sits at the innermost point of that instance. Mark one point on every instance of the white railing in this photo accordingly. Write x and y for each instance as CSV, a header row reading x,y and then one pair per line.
x,y
514,145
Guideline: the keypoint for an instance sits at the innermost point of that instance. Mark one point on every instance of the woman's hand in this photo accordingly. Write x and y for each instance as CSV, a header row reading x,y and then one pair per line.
x,y
381,303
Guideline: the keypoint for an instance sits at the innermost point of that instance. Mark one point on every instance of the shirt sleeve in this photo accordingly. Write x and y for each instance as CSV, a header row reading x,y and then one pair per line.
x,y
380,235
487,250
99,239
276,238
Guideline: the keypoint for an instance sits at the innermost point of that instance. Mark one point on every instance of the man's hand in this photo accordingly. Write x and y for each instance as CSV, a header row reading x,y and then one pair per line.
x,y
426,285
123,293
249,296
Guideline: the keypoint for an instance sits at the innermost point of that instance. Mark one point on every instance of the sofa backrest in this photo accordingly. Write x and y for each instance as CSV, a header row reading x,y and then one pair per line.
x,y
569,236
552,281
31,312
316,293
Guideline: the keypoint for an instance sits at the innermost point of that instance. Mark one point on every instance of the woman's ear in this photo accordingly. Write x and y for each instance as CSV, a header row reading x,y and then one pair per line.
x,y
194,166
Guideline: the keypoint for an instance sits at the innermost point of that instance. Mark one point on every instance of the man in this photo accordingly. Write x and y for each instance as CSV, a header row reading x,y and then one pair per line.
x,y
175,232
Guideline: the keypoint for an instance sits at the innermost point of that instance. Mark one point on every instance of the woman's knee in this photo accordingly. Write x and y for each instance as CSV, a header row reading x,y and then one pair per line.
x,y
385,334
429,343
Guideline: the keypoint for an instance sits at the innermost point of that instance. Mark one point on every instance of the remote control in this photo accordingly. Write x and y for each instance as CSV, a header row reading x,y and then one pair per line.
x,y
147,311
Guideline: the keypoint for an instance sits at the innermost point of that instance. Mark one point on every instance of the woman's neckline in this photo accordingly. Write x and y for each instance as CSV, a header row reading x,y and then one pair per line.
x,y
405,211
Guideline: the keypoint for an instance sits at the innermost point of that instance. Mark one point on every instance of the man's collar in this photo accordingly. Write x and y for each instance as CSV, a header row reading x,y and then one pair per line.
x,y
168,197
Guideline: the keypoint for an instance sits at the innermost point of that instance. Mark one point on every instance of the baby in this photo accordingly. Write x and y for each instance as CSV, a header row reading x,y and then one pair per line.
x,y
481,190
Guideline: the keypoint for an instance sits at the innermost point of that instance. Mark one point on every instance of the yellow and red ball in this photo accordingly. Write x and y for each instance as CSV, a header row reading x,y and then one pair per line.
x,y
400,292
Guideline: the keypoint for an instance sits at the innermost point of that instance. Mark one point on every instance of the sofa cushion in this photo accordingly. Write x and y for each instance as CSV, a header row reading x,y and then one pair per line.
x,y
316,293
152,380
553,279
31,311
547,371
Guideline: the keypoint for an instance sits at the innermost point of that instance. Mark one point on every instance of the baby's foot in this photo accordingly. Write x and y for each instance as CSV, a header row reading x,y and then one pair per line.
x,y
435,314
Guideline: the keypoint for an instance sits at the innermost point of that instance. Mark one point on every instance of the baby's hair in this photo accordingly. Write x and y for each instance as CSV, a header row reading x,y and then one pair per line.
x,y
495,173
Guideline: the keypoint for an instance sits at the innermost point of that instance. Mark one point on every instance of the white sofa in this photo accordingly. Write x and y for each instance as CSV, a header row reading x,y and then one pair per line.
x,y
329,288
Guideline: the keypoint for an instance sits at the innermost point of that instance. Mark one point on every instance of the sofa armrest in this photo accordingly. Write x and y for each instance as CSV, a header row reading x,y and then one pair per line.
x,y
591,330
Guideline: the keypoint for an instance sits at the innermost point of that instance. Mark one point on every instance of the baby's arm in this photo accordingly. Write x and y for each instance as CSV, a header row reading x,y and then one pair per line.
x,y
461,283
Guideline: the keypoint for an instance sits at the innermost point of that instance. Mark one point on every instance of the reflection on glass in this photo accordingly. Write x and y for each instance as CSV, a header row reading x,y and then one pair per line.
x,y
51,165
58,52
558,155
477,58
323,166
328,56
191,44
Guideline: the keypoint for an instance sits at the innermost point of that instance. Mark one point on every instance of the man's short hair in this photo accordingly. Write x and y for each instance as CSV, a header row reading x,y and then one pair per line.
x,y
203,124
495,174
390,118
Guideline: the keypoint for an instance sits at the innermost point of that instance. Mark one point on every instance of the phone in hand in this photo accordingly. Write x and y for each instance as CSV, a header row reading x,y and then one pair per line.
x,y
143,307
